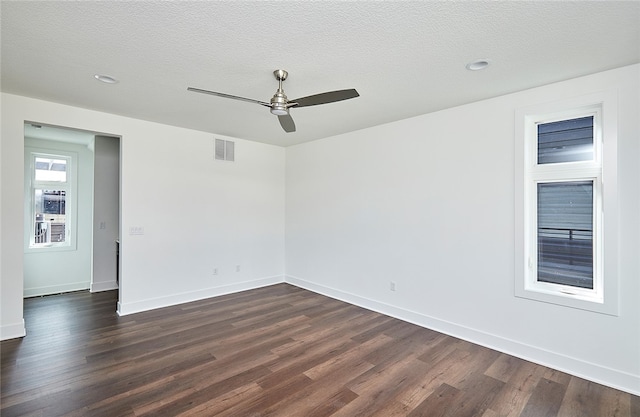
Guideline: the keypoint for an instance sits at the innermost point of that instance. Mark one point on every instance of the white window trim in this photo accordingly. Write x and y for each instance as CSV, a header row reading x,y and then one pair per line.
x,y
71,210
602,170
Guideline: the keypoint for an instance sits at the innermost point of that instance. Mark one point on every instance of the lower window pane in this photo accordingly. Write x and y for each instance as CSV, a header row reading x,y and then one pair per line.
x,y
565,233
50,218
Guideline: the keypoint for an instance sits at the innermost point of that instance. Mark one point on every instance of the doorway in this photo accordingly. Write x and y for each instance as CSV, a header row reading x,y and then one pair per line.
x,y
79,200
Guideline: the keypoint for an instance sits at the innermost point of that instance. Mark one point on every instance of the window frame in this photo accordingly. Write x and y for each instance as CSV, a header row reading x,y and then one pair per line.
x,y
70,188
603,298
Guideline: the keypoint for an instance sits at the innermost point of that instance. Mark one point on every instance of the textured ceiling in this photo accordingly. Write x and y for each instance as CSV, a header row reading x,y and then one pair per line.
x,y
404,58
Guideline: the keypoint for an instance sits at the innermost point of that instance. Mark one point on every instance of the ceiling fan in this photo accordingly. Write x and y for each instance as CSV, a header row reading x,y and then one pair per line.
x,y
280,104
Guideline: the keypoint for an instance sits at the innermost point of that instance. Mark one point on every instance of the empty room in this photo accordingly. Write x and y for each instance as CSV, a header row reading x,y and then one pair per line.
x,y
289,208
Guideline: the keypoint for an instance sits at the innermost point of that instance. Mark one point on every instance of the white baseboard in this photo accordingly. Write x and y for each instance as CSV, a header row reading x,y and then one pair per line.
x,y
55,289
186,297
13,331
103,286
600,374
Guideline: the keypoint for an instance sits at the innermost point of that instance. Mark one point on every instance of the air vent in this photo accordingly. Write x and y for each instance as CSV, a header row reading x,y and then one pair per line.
x,y
224,150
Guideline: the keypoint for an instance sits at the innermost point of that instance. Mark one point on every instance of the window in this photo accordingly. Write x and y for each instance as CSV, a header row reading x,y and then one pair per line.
x,y
50,183
562,158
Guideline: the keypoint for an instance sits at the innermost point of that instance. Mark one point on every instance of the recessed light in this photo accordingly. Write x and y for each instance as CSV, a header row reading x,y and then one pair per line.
x,y
478,64
105,79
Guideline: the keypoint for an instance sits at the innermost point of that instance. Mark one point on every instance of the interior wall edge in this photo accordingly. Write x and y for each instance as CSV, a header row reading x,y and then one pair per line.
x,y
613,378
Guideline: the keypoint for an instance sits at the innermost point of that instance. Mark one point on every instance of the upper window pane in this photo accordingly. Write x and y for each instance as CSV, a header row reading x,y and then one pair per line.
x,y
565,141
50,169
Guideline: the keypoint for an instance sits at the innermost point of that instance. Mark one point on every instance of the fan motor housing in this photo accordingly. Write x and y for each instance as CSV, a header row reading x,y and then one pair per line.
x,y
279,104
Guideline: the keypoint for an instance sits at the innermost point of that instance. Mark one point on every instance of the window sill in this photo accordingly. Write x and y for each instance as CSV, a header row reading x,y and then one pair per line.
x,y
49,248
567,299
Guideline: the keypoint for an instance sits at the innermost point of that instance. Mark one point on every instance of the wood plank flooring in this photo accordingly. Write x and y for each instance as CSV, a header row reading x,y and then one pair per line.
x,y
273,351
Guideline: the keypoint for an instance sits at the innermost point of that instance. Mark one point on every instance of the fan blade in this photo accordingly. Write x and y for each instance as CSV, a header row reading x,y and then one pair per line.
x,y
287,124
324,98
213,93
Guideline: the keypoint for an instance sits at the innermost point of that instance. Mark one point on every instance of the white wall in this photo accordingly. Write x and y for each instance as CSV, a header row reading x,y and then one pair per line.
x,y
52,271
197,213
428,202
106,214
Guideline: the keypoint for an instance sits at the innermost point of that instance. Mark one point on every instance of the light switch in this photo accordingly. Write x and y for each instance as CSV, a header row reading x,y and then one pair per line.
x,y
136,230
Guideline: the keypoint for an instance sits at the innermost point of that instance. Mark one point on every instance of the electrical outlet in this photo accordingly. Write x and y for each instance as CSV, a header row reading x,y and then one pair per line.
x,y
215,271
392,285
237,268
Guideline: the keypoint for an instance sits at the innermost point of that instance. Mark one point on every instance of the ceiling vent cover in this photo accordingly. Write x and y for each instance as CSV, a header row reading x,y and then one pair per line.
x,y
225,150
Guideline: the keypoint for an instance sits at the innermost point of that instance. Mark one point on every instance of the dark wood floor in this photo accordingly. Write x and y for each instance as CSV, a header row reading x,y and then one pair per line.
x,y
274,351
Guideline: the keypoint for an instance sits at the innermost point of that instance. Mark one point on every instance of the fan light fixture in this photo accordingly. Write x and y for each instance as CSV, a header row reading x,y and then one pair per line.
x,y
279,110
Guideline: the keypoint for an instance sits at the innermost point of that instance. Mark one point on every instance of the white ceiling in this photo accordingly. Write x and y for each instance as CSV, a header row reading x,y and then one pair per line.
x,y
404,58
